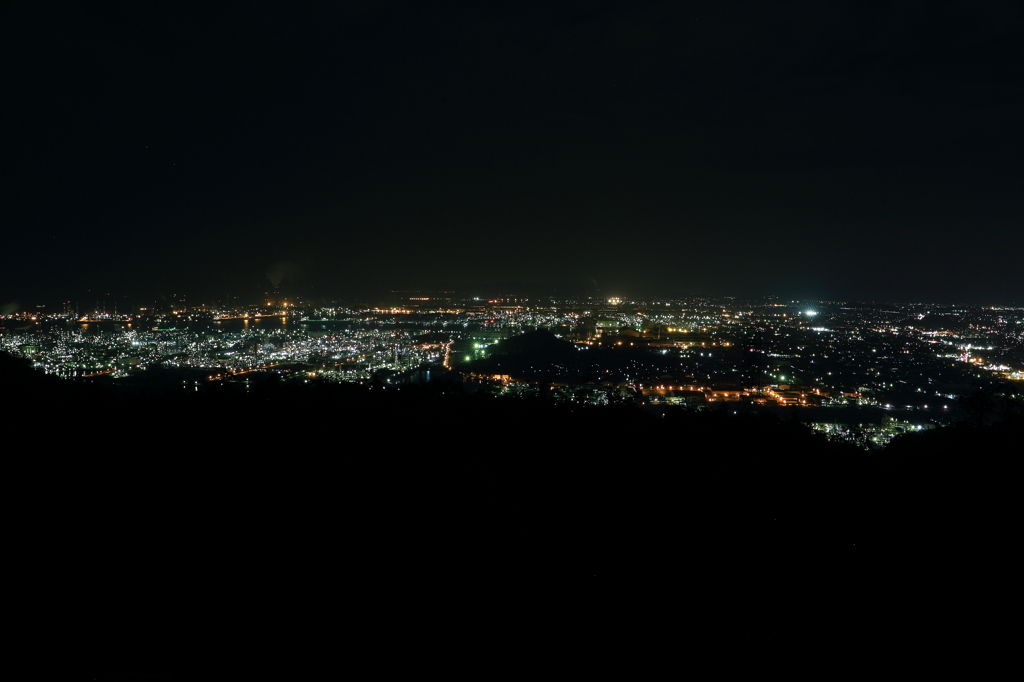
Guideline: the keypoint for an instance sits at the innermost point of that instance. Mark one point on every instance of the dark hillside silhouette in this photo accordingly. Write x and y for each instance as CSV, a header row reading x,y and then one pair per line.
x,y
532,353
226,507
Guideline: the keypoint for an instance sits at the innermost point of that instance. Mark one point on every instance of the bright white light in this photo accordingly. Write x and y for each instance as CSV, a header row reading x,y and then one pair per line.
x,y
810,313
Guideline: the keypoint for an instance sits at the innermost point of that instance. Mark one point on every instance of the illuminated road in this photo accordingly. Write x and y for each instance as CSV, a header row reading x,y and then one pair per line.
x,y
221,377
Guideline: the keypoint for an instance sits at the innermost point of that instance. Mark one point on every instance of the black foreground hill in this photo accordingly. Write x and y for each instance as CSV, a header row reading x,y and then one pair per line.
x,y
211,511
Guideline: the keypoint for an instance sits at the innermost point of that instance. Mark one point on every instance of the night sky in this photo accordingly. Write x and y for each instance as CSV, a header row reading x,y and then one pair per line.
x,y
864,150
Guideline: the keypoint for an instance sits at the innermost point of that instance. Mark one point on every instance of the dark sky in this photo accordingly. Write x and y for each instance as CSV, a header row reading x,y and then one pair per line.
x,y
843,150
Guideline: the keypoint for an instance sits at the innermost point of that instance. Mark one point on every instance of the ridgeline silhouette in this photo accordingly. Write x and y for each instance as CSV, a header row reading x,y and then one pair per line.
x,y
149,507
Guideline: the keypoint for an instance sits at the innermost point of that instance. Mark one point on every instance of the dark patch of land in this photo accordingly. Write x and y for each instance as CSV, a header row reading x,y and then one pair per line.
x,y
224,515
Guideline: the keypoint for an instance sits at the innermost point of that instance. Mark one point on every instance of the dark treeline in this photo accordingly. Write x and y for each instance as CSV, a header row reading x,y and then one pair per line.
x,y
325,504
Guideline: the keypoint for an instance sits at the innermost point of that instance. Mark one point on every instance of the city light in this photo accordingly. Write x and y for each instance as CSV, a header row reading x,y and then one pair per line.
x,y
689,353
